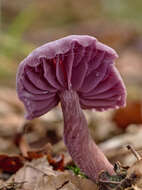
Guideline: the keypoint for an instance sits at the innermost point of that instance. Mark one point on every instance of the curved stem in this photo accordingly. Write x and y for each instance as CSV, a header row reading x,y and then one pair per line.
x,y
81,147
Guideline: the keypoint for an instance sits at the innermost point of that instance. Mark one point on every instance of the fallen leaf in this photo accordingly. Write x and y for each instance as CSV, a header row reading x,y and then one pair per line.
x,y
43,152
131,114
135,174
21,142
56,163
114,148
10,164
39,175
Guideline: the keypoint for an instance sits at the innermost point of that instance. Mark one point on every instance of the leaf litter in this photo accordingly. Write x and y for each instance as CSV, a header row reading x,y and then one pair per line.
x,y
43,165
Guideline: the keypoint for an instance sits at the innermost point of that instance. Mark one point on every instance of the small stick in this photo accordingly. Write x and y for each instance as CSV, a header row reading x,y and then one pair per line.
x,y
134,152
107,181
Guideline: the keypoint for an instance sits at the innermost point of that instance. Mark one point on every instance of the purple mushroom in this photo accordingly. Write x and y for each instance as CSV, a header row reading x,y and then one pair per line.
x,y
79,72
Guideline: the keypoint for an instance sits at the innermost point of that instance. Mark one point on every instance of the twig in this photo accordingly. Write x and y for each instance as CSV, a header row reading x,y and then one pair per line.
x,y
134,152
107,181
62,185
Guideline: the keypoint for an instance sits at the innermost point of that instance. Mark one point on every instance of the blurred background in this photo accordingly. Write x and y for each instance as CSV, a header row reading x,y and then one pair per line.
x,y
27,24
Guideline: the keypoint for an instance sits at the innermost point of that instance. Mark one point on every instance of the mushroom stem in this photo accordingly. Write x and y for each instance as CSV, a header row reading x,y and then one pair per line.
x,y
85,153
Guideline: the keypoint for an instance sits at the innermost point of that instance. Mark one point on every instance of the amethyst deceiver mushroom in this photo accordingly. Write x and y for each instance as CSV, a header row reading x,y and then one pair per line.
x,y
79,72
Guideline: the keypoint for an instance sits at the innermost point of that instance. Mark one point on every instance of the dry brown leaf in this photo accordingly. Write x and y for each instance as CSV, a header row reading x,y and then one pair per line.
x,y
10,164
38,175
131,114
56,163
115,150
135,174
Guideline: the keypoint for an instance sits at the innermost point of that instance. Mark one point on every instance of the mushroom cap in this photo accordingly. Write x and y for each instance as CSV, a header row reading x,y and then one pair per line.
x,y
77,62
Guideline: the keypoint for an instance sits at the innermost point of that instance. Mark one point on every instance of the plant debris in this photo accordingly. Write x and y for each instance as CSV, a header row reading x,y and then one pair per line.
x,y
125,178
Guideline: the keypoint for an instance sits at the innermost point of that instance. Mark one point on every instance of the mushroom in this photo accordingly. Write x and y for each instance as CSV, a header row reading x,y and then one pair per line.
x,y
79,72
